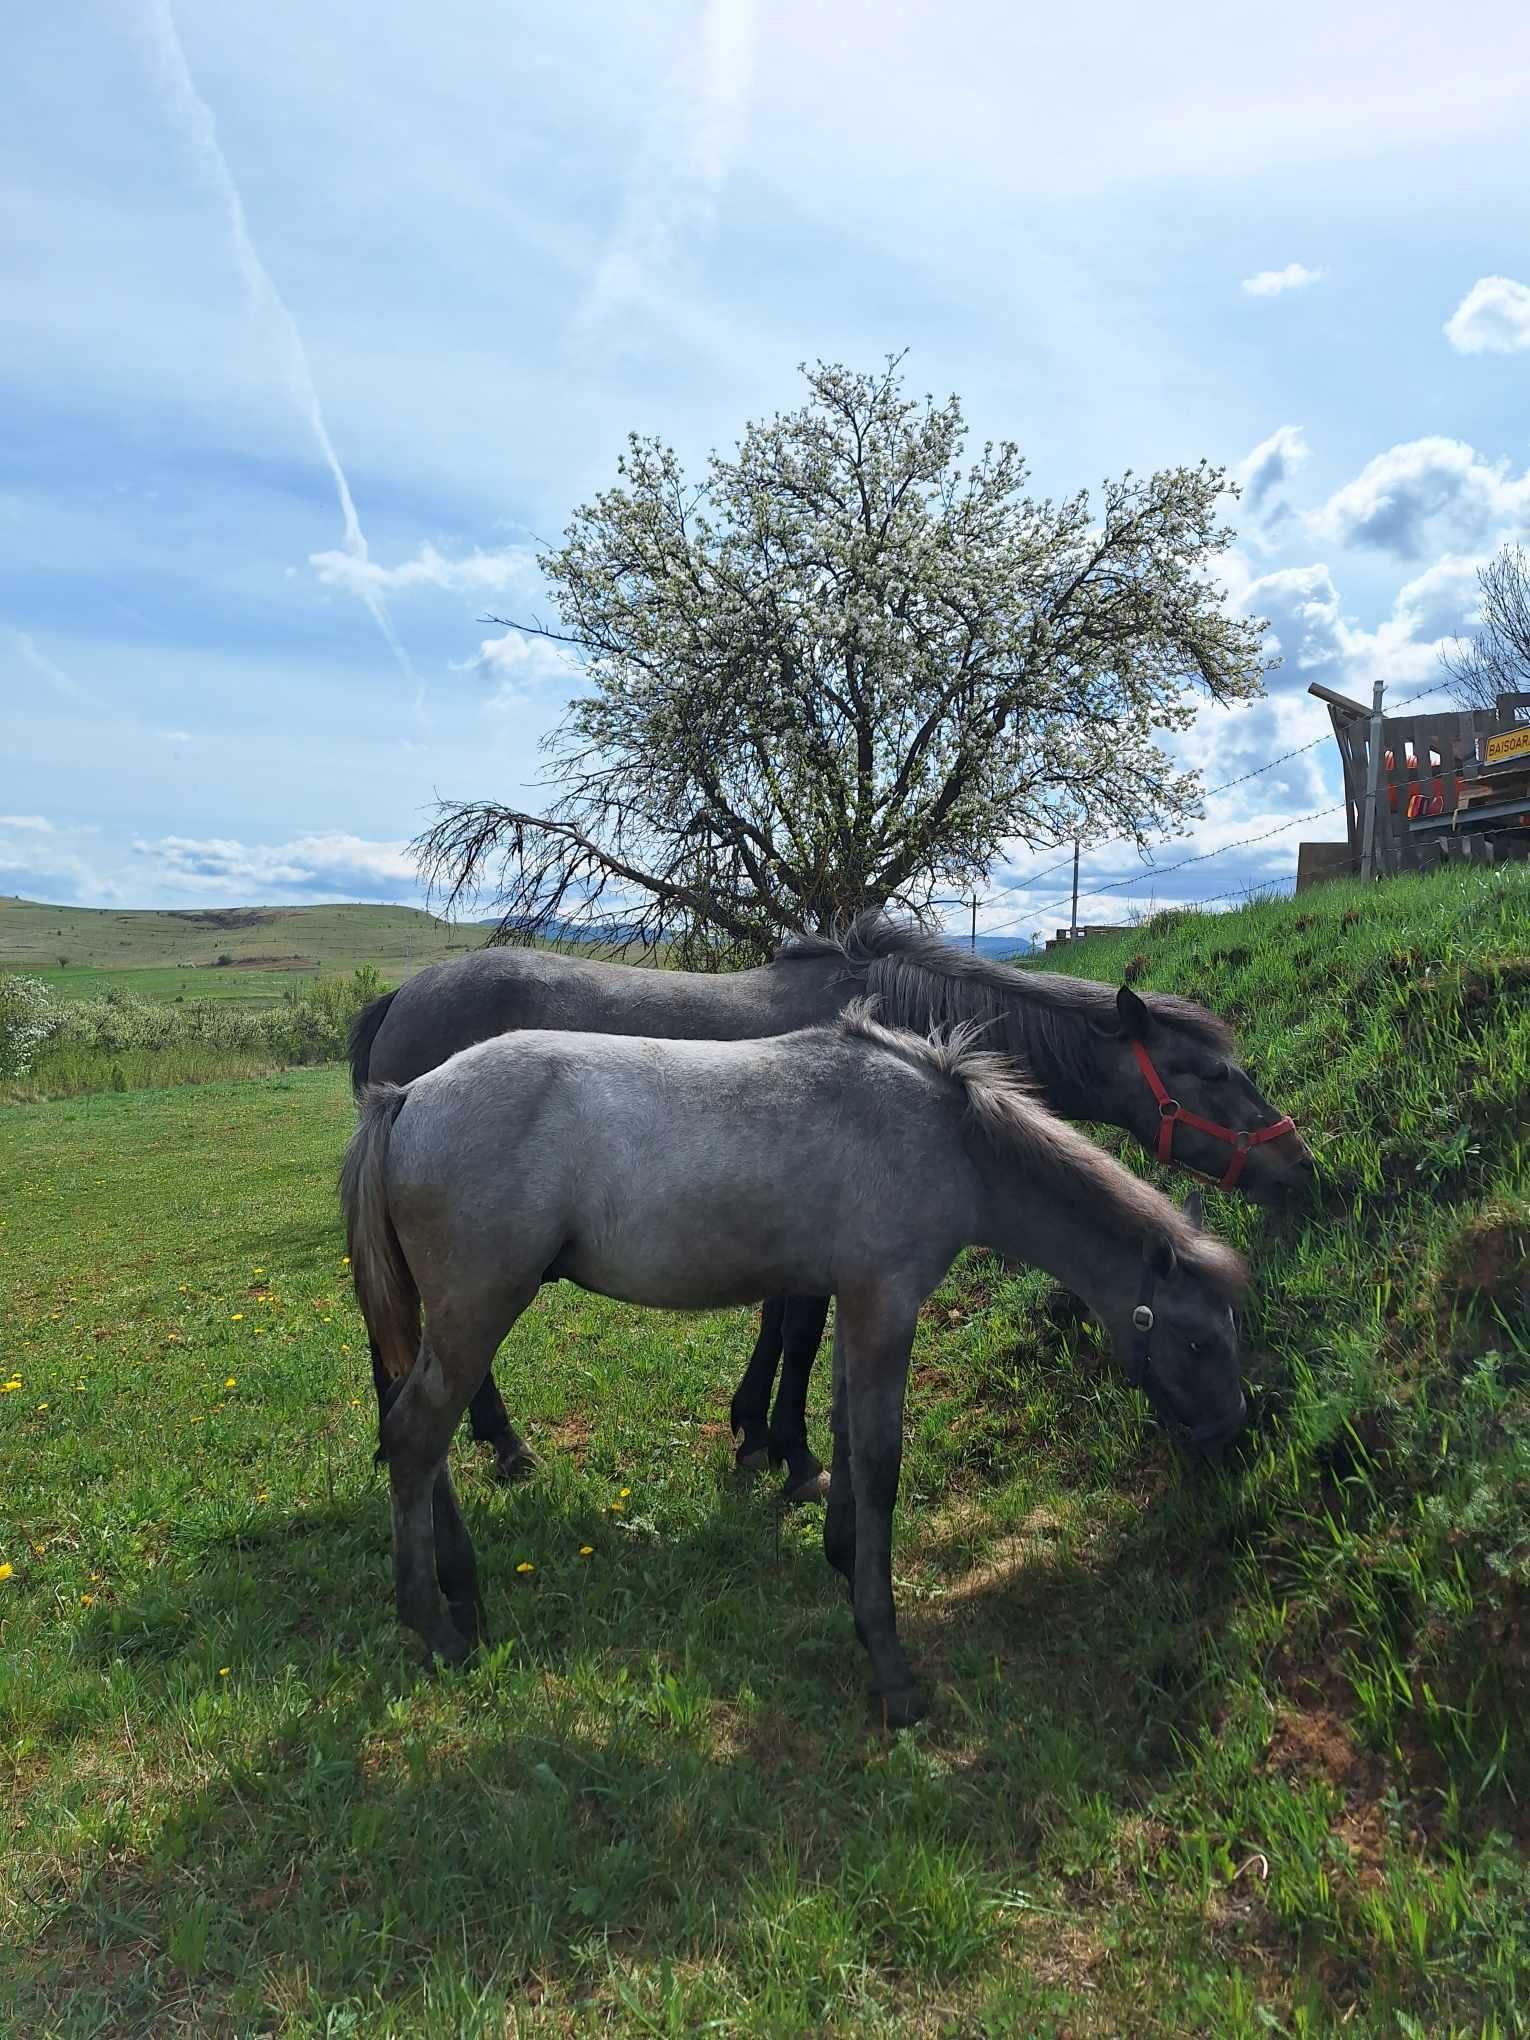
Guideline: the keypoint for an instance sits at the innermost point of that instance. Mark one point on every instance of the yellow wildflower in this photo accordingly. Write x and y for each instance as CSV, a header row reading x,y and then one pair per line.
x,y
624,1492
260,1271
42,1405
223,1671
9,1387
345,1260
237,1315
6,1570
232,1382
87,1600
585,1550
525,1566
616,1507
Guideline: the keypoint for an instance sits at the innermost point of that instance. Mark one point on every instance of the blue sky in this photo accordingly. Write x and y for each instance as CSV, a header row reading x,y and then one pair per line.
x,y
313,318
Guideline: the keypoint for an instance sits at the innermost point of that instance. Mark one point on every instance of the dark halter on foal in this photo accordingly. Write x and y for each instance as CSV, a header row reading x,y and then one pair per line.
x,y
1171,1114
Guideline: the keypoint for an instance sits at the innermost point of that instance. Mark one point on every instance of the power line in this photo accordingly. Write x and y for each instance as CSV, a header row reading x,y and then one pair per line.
x,y
1153,871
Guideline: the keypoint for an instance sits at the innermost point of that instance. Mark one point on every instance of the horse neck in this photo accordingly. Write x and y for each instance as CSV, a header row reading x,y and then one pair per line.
x,y
1055,1045
1026,1220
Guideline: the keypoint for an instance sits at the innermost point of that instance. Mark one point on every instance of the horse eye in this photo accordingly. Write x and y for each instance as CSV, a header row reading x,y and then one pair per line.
x,y
1221,1072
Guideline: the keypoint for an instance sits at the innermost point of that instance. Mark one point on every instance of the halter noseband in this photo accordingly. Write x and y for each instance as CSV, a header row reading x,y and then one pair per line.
x,y
1172,1113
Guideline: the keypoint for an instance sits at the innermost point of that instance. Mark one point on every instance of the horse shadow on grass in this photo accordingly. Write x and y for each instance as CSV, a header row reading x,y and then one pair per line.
x,y
662,1755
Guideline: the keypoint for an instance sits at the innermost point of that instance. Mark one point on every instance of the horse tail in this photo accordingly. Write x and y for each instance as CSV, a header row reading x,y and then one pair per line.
x,y
358,1044
385,1287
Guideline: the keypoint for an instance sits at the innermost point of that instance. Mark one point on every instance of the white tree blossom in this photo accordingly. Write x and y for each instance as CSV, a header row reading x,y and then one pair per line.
x,y
843,670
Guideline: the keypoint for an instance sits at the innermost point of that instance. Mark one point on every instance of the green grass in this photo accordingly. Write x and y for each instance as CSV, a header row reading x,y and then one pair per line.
x,y
1234,1752
247,987
182,949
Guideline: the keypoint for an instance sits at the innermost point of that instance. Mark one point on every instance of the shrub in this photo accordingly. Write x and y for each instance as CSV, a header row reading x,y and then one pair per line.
x,y
25,1022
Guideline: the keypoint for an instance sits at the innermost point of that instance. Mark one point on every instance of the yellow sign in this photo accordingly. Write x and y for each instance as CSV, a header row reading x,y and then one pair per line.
x,y
1507,744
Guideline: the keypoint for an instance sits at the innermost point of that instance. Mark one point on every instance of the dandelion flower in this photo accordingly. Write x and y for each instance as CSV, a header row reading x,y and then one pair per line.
x,y
232,1382
6,1570
42,1405
585,1550
87,1600
525,1566
345,1260
624,1492
260,1271
264,1495
235,1317
223,1671
9,1387
617,1507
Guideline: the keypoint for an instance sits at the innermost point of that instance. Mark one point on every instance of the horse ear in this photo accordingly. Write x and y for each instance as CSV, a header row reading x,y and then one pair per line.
x,y
1160,1252
1132,1014
1195,1210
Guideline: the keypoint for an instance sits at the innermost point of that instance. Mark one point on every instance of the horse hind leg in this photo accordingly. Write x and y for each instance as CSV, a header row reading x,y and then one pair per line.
x,y
490,1421
802,1326
749,1411
432,1550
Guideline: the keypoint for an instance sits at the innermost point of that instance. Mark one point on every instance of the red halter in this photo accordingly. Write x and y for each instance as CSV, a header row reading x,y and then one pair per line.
x,y
1171,1112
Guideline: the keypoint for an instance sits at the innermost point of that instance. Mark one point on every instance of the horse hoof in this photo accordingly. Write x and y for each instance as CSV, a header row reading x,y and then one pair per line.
x,y
902,1707
751,1459
814,1487
515,1463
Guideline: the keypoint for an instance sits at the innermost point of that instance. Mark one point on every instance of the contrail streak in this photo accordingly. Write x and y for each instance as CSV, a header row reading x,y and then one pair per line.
x,y
194,118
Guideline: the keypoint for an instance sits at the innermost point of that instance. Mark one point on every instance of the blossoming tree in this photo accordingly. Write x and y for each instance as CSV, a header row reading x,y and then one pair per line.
x,y
844,670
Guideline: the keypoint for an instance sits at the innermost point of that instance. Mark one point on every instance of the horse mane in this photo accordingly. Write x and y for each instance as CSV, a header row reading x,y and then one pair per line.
x,y
924,983
1004,1107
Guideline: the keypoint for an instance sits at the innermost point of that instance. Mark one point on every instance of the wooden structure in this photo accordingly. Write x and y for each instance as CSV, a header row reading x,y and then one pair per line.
x,y
1438,792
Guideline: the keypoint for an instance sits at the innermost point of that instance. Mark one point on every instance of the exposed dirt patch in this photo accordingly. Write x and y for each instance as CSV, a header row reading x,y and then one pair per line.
x,y
228,917
1490,1257
571,1434
261,963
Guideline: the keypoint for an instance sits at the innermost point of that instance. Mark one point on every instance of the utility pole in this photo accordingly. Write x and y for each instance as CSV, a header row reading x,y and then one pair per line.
x,y
1372,785
1073,930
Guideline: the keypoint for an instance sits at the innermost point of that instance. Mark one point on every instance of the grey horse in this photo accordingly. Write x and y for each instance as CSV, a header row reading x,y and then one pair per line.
x,y
847,1160
1094,1052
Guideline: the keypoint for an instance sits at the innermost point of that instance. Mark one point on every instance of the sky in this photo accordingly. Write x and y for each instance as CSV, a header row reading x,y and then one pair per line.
x,y
315,323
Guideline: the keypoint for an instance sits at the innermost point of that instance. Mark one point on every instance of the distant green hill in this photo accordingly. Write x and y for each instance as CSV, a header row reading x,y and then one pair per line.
x,y
267,947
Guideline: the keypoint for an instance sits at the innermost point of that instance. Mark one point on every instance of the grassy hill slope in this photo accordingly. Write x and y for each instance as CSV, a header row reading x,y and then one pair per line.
x,y
1231,1751
292,940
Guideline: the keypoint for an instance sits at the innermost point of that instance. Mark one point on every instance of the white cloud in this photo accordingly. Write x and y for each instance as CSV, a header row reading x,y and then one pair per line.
x,y
1493,318
1272,461
38,822
477,572
696,133
335,865
522,668
1271,282
1398,496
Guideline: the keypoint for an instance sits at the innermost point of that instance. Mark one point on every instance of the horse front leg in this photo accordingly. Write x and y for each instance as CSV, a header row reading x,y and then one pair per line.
x,y
876,1362
490,1422
839,1516
802,1326
750,1408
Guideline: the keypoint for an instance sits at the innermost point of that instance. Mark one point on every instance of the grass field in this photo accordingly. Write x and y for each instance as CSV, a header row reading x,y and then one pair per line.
x,y
1235,1752
71,947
